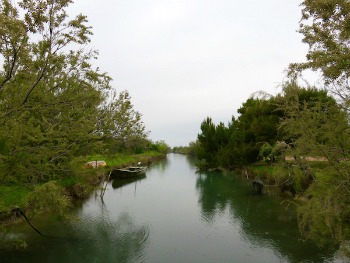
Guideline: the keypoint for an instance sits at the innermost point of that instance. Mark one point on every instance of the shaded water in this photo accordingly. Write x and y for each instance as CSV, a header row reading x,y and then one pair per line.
x,y
174,215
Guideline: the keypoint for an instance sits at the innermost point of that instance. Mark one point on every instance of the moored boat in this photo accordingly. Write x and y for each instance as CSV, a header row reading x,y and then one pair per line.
x,y
130,171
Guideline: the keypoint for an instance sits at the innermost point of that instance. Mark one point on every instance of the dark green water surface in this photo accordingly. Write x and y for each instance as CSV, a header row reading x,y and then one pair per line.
x,y
173,215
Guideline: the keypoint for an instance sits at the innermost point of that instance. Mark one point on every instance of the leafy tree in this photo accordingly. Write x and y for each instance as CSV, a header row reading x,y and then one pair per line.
x,y
318,127
207,143
160,146
53,103
48,196
49,92
239,143
259,120
120,125
323,125
256,125
187,150
325,25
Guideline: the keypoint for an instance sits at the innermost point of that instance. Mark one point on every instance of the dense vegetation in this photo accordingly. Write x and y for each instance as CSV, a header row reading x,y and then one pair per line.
x,y
55,106
187,150
309,124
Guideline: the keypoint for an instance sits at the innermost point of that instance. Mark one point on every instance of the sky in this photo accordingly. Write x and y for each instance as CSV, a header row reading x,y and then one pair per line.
x,y
185,60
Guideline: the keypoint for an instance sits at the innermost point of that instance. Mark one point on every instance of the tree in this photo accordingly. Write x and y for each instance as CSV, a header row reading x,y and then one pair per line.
x,y
258,122
120,125
207,143
323,126
325,25
239,143
316,126
49,92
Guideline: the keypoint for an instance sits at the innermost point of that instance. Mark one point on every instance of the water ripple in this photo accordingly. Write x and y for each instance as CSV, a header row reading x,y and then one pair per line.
x,y
119,241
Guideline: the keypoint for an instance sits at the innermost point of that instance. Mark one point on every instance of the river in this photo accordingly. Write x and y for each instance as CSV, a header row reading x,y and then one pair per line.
x,y
173,214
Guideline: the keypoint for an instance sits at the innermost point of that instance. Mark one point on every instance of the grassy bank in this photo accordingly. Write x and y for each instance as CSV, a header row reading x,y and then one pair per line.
x,y
78,184
120,160
287,179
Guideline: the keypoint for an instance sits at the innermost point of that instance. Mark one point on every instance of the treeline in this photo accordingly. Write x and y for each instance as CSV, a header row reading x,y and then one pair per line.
x,y
187,150
265,128
310,124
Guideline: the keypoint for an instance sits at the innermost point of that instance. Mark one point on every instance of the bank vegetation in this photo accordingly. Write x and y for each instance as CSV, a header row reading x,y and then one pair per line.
x,y
58,111
299,139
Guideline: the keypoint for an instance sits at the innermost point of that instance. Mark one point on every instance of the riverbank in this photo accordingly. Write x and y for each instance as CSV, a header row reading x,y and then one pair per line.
x,y
80,182
286,180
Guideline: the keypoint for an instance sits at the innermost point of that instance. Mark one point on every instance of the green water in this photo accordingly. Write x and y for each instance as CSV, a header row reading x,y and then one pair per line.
x,y
173,215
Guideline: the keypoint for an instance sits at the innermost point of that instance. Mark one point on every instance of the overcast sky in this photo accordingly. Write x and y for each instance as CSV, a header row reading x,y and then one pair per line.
x,y
184,60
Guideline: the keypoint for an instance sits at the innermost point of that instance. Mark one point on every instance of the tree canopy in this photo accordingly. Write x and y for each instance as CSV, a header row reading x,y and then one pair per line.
x,y
54,104
325,25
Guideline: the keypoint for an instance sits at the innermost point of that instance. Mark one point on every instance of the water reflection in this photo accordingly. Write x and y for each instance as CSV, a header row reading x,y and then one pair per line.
x,y
94,239
261,219
176,216
160,166
119,241
120,182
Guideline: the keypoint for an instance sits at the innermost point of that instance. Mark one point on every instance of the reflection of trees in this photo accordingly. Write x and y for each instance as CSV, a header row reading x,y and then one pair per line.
x,y
263,221
212,201
191,161
106,241
95,239
159,165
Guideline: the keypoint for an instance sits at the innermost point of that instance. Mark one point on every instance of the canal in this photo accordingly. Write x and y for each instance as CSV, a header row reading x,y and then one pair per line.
x,y
173,214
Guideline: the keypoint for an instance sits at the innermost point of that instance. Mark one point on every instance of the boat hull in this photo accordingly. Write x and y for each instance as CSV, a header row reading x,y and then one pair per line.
x,y
129,172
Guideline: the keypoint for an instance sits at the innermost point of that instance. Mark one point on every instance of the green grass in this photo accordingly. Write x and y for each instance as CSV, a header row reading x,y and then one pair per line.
x,y
11,196
16,195
122,160
68,181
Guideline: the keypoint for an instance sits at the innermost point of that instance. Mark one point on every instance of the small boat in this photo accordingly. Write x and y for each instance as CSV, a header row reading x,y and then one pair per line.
x,y
130,171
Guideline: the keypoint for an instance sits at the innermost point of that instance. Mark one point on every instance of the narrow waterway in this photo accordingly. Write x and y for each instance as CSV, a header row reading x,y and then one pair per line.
x,y
174,214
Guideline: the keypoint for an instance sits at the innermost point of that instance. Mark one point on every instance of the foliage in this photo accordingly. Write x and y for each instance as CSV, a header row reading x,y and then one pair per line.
x,y
121,125
54,105
208,145
265,151
321,128
240,141
160,146
48,92
325,26
317,126
48,196
306,123
187,150
11,195
270,174
326,214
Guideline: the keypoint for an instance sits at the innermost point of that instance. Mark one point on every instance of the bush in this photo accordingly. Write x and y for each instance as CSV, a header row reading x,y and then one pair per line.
x,y
49,196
